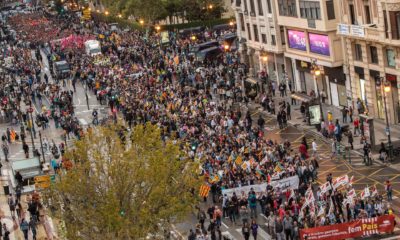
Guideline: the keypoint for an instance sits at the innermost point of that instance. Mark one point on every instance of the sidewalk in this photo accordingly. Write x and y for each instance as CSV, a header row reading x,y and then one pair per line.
x,y
379,126
6,217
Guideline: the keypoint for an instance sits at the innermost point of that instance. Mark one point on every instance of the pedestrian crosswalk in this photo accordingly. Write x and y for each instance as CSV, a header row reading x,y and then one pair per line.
x,y
261,234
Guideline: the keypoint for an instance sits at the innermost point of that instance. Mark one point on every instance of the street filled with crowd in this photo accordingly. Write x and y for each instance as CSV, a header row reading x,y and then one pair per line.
x,y
201,103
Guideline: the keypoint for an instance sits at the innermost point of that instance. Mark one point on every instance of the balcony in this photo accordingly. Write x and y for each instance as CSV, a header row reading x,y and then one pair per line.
x,y
369,32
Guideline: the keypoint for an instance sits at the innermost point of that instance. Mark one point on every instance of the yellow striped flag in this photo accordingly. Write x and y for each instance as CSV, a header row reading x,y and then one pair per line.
x,y
278,168
230,159
214,179
245,165
204,190
239,160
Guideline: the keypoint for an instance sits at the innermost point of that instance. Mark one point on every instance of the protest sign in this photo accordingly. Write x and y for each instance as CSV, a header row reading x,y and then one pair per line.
x,y
358,228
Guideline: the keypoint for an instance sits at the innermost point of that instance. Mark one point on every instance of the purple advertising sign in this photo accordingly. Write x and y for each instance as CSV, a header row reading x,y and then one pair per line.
x,y
297,40
319,44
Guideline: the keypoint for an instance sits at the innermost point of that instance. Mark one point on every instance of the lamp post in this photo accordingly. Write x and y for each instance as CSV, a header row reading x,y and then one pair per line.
x,y
86,95
41,146
32,127
264,58
385,85
316,71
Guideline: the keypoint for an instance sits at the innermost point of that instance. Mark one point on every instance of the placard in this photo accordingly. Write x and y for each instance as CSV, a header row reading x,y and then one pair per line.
x,y
283,184
354,229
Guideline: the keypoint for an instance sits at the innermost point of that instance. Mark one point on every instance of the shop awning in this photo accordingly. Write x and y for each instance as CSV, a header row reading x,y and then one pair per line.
x,y
302,97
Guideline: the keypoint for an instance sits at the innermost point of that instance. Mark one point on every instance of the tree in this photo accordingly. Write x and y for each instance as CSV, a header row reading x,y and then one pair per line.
x,y
118,190
154,10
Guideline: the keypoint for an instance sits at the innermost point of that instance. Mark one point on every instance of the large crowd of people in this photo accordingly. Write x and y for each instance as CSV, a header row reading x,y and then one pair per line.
x,y
196,102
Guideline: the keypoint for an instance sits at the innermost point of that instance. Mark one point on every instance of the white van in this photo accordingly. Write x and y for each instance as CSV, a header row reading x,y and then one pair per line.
x,y
93,47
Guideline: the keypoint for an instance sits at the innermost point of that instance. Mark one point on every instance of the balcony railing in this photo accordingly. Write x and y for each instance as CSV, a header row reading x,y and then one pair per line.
x,y
365,32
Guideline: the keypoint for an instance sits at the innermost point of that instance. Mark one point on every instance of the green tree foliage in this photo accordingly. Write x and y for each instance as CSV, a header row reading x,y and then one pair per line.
x,y
118,190
154,10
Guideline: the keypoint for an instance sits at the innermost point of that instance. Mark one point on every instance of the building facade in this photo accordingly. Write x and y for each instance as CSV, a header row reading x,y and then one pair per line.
x,y
371,33
300,34
262,40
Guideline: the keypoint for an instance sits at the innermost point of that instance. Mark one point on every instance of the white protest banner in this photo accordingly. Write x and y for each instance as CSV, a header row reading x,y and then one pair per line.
x,y
325,187
284,184
339,181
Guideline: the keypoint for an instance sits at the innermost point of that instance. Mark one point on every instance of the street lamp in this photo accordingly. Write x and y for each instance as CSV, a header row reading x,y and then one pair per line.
x,y
141,22
386,89
226,47
210,6
106,13
120,15
231,23
158,28
316,71
193,37
32,127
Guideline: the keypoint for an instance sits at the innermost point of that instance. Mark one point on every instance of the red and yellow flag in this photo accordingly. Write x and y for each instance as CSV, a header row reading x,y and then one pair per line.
x,y
204,190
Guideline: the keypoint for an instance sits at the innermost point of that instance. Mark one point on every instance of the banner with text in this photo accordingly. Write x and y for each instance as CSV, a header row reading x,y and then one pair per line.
x,y
358,228
283,184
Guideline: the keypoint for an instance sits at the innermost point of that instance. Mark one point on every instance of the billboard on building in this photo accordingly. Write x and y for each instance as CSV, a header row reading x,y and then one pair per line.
x,y
297,40
319,44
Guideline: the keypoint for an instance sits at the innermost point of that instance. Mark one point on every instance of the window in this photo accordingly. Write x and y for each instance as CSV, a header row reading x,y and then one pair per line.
x,y
352,16
374,54
391,59
263,38
242,22
269,6
310,10
385,21
330,9
394,22
255,33
260,8
357,52
287,8
248,31
273,40
252,7
245,6
283,39
367,14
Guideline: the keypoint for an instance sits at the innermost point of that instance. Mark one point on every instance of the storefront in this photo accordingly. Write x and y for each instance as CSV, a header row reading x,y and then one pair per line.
x,y
393,98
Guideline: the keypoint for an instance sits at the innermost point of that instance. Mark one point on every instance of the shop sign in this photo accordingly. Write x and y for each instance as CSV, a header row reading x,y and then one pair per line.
x,y
304,64
357,31
358,228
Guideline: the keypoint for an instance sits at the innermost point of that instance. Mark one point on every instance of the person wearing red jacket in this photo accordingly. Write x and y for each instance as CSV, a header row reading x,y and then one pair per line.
x,y
303,151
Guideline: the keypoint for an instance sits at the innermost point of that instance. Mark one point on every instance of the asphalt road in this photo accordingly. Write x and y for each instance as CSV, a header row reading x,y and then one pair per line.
x,y
364,175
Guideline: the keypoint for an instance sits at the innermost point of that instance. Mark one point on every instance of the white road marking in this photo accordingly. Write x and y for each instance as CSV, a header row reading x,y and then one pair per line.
x,y
260,232
223,224
176,231
228,235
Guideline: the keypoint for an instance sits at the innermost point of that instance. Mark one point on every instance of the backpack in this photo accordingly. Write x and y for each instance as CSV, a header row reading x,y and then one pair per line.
x,y
253,199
